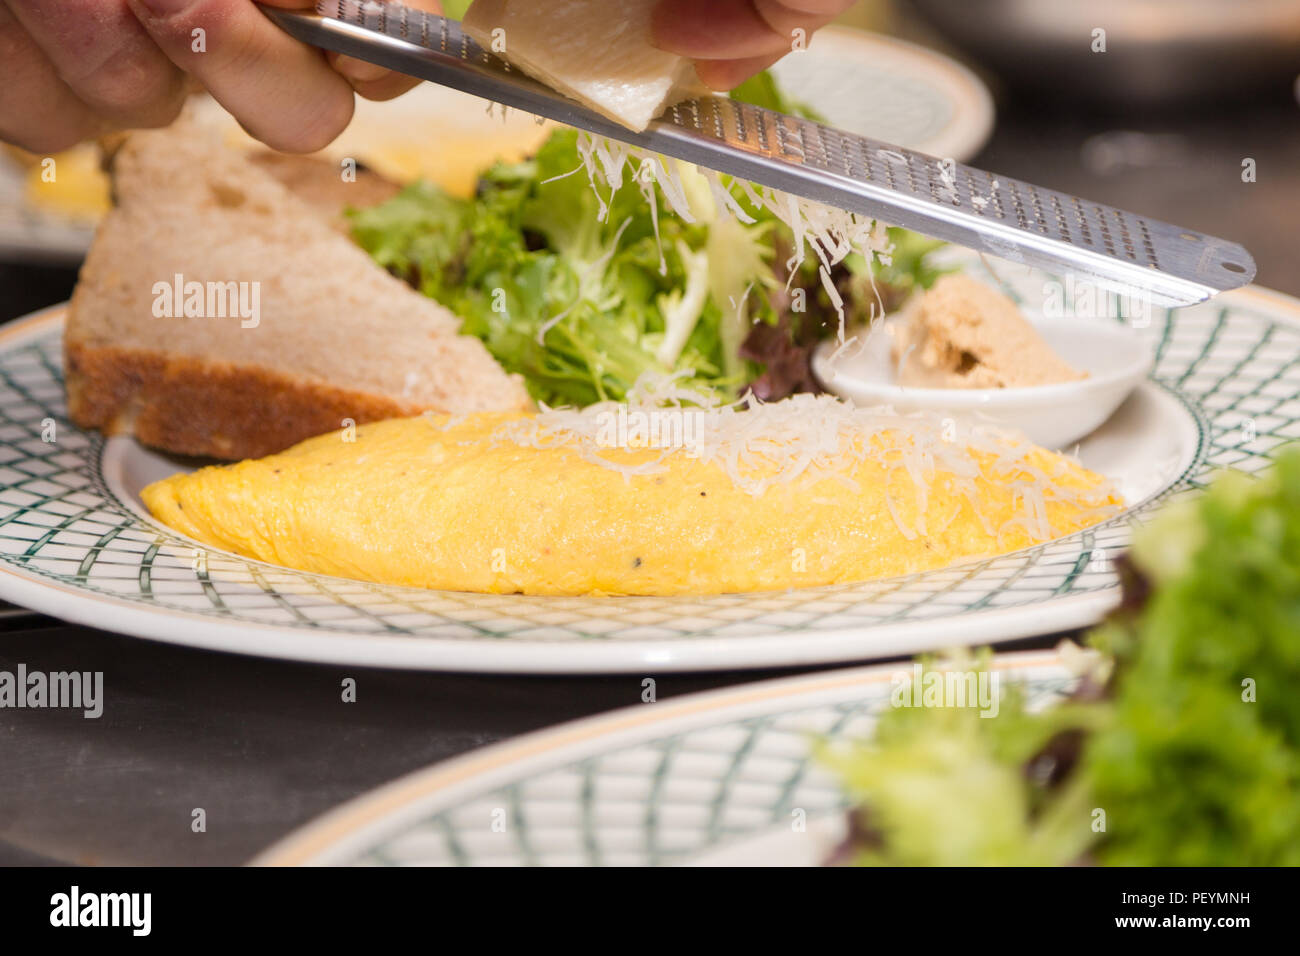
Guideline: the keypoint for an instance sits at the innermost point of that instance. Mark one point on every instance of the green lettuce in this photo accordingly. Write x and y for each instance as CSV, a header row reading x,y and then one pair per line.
x,y
579,305
582,305
1202,764
948,787
762,90
1190,758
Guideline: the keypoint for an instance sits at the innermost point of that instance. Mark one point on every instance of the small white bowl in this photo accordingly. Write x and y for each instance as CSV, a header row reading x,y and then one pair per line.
x,y
1116,357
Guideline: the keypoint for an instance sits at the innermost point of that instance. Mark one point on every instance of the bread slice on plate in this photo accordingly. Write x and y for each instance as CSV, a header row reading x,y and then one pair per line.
x,y
218,314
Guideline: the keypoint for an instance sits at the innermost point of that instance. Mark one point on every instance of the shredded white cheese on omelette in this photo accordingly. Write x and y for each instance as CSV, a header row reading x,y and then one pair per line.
x,y
765,444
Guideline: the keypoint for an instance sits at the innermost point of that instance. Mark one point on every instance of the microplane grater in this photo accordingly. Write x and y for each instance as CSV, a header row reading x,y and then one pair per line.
x,y
1005,217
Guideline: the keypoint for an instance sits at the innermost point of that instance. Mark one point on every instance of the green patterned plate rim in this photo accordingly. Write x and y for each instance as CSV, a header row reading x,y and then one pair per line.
x,y
76,544
726,777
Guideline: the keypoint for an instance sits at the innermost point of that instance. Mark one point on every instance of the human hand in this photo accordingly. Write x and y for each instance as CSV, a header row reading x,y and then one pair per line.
x,y
731,40
75,69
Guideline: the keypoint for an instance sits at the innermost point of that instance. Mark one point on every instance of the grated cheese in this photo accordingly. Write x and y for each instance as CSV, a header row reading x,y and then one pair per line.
x,y
761,445
831,234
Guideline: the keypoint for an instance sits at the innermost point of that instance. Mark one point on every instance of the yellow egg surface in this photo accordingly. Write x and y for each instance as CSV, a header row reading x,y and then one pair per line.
x,y
70,184
435,503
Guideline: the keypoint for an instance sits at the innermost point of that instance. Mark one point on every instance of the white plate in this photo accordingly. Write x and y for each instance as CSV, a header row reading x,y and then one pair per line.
x,y
725,778
75,543
891,90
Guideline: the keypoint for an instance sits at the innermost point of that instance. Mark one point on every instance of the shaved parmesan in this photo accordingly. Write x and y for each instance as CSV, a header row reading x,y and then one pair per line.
x,y
805,437
832,234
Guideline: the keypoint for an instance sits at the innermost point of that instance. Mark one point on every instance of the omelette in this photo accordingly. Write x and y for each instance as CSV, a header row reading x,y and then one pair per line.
x,y
798,493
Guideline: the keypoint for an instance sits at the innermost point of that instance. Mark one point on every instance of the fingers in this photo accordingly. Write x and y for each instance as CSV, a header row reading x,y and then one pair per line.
x,y
283,92
103,55
729,74
375,82
721,29
76,68
38,111
732,40
825,8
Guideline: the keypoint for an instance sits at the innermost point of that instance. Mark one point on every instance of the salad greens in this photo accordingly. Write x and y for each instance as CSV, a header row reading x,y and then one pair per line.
x,y
582,293
582,306
1191,752
579,305
946,787
1204,755
761,90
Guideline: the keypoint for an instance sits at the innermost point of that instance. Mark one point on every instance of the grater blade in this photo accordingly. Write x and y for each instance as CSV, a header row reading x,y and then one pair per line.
x,y
1005,217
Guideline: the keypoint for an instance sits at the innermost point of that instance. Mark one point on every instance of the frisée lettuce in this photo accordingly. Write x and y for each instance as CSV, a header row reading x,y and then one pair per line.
x,y
581,306
1186,754
583,290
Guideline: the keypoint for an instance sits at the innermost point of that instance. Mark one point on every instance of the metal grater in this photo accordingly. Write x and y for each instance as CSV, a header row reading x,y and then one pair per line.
x,y
1005,217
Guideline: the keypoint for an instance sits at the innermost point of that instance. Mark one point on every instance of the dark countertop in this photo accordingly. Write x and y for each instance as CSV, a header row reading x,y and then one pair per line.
x,y
264,746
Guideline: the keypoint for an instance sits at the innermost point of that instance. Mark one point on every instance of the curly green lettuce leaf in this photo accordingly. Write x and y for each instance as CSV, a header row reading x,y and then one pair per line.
x,y
762,90
582,289
578,304
1202,766
1194,757
948,786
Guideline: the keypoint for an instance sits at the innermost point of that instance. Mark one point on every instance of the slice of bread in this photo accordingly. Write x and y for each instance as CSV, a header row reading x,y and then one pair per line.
x,y
320,336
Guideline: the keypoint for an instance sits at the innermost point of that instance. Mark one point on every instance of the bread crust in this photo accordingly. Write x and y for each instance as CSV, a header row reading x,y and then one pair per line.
x,y
191,406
